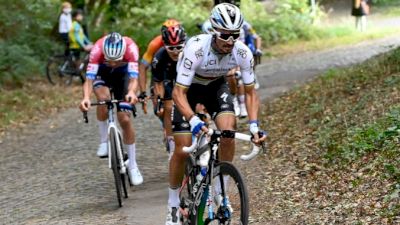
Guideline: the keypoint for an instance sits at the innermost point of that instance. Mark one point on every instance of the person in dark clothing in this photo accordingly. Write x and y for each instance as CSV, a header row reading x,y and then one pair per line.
x,y
360,10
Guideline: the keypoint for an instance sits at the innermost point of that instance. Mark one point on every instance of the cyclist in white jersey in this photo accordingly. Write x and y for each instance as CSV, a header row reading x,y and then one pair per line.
x,y
205,61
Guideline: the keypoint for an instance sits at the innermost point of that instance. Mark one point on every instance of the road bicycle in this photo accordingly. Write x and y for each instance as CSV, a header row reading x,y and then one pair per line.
x,y
116,153
61,69
214,192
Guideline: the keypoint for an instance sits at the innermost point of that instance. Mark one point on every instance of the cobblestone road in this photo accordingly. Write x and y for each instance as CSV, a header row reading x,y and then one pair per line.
x,y
49,173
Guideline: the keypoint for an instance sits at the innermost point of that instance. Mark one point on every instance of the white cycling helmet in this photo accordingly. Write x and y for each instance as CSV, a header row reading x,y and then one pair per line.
x,y
114,46
226,16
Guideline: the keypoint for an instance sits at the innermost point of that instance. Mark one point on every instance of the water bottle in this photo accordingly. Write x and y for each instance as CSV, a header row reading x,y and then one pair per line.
x,y
203,172
203,159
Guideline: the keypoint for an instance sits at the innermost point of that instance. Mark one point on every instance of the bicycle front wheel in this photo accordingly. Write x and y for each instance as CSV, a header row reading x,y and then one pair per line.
x,y
54,70
230,203
115,164
124,157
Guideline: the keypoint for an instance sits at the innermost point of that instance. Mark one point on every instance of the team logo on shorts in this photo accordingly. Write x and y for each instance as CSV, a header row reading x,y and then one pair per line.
x,y
224,106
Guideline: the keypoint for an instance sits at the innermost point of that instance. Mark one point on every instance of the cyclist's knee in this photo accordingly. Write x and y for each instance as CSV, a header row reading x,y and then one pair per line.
x,y
124,120
101,92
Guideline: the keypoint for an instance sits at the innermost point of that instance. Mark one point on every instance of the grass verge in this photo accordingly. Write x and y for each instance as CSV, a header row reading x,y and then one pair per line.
x,y
328,36
346,124
34,100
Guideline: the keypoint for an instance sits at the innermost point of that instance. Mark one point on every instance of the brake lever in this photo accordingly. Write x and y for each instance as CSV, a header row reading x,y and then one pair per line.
x,y
85,117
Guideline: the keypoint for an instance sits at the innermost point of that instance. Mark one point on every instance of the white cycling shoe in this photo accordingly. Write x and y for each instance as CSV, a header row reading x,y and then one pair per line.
x,y
102,151
243,110
135,176
219,200
173,216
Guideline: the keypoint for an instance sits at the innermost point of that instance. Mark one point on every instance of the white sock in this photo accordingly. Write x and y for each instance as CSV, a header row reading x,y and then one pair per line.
x,y
241,99
173,197
131,155
103,130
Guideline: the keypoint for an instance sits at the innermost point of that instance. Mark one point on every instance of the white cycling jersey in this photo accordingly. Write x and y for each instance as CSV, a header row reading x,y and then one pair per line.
x,y
200,64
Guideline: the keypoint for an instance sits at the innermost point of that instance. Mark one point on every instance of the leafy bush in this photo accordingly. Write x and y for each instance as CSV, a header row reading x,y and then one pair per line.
x,y
25,37
25,34
291,19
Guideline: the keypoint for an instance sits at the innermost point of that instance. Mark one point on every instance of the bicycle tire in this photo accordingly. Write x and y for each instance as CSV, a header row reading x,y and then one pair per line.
x,y
54,73
123,181
114,165
228,169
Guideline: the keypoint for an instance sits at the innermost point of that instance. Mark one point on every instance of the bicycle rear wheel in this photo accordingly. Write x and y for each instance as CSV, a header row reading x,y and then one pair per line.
x,y
115,164
230,198
54,70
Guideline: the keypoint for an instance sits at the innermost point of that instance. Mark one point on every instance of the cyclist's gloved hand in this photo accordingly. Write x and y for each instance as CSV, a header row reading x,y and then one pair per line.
x,y
259,52
159,109
85,105
142,97
258,135
196,125
131,98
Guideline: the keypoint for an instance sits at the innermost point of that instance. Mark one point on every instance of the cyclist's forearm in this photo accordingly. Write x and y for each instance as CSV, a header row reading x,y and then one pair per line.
x,y
230,78
133,85
180,99
87,88
252,102
159,89
142,77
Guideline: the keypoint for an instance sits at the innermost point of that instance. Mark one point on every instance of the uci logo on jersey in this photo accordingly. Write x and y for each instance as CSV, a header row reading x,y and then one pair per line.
x,y
211,62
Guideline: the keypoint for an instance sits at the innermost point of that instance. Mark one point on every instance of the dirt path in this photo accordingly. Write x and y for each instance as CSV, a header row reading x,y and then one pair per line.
x,y
49,173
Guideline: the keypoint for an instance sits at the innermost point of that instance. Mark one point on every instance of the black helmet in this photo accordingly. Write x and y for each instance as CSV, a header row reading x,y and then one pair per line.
x,y
173,35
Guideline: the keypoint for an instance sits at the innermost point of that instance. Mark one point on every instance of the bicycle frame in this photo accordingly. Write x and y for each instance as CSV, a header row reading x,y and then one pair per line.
x,y
199,147
112,125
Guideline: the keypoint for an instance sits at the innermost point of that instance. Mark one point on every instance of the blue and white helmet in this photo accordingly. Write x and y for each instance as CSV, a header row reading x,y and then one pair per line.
x,y
226,16
114,47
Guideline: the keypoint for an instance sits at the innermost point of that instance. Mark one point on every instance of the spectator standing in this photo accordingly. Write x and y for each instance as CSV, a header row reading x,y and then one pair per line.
x,y
65,23
360,10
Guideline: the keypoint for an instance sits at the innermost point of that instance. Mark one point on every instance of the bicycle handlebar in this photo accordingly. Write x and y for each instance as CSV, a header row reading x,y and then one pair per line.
x,y
107,102
240,136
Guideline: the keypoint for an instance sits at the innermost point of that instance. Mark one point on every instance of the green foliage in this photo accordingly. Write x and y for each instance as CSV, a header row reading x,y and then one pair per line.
x,y
384,2
25,37
291,20
25,34
143,21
